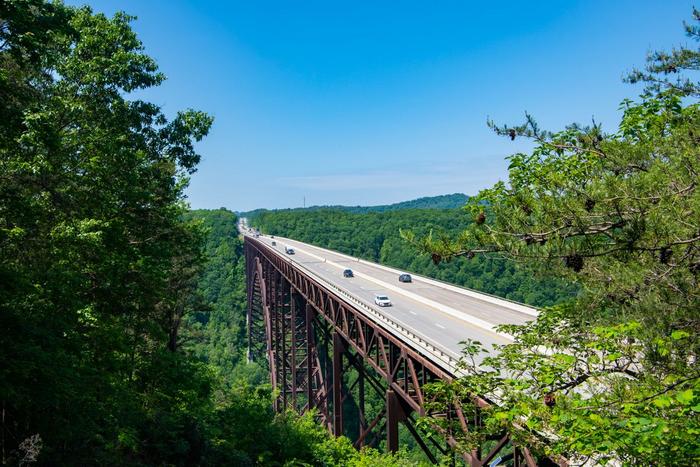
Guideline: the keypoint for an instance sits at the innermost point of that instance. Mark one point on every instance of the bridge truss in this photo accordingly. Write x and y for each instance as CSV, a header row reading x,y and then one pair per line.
x,y
325,353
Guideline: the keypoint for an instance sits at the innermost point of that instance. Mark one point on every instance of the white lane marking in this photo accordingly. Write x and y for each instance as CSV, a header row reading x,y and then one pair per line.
x,y
507,304
513,306
413,312
440,326
480,323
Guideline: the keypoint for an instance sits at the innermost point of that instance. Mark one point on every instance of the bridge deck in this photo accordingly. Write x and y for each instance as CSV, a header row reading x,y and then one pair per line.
x,y
443,314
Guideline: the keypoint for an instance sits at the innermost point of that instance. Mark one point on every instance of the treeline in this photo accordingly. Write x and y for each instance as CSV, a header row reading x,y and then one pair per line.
x,y
452,201
376,236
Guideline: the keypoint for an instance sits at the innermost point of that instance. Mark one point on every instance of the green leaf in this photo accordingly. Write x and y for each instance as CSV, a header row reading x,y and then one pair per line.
x,y
662,402
677,335
685,397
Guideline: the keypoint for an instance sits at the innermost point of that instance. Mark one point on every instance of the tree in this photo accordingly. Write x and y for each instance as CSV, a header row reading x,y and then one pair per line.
x,y
95,259
613,374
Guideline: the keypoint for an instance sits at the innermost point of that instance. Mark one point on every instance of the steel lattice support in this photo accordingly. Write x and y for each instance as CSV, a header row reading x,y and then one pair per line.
x,y
315,340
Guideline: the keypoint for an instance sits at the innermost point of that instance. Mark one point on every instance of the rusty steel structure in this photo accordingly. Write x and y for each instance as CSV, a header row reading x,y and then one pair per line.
x,y
327,353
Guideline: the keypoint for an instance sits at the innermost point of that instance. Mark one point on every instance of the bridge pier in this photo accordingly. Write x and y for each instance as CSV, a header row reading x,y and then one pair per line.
x,y
394,415
361,417
310,352
339,349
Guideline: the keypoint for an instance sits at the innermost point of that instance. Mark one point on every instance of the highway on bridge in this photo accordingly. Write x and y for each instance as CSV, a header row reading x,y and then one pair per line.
x,y
442,314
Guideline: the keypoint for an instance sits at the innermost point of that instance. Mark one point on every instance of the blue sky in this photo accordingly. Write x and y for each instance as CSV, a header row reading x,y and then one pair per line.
x,y
370,102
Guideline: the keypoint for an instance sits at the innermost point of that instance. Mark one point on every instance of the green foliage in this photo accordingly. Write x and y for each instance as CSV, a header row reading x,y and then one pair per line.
x,y
216,332
611,376
376,236
592,387
249,433
96,266
453,201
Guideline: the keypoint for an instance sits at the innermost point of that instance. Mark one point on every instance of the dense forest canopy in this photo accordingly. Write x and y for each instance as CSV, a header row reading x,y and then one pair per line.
x,y
453,201
215,331
376,236
96,265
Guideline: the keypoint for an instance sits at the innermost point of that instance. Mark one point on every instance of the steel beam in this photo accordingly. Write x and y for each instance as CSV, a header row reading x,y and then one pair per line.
x,y
394,415
338,351
293,359
310,353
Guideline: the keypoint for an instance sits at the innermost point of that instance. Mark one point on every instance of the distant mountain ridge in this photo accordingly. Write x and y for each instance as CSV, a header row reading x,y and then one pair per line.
x,y
451,201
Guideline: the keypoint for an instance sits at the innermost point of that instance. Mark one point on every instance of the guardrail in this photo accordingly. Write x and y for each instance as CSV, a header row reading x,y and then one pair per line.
x,y
446,359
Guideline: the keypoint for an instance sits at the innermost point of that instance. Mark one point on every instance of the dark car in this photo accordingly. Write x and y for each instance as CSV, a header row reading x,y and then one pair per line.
x,y
405,278
348,273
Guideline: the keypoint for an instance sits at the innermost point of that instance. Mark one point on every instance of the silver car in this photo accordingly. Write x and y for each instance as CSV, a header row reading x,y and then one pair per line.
x,y
382,300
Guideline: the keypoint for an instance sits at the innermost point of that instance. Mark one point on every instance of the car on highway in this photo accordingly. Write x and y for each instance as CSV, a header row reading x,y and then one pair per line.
x,y
274,243
382,300
289,250
405,278
348,273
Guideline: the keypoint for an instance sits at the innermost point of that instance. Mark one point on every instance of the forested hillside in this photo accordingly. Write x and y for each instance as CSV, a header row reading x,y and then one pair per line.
x,y
216,330
452,201
376,236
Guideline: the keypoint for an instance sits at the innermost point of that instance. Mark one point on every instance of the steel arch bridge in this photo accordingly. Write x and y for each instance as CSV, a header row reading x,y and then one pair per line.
x,y
326,352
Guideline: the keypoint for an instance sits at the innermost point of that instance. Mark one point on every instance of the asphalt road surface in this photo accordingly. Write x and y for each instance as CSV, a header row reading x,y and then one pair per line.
x,y
443,314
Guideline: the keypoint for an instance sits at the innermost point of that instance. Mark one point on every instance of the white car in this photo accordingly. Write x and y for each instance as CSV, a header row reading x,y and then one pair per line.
x,y
382,300
289,250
